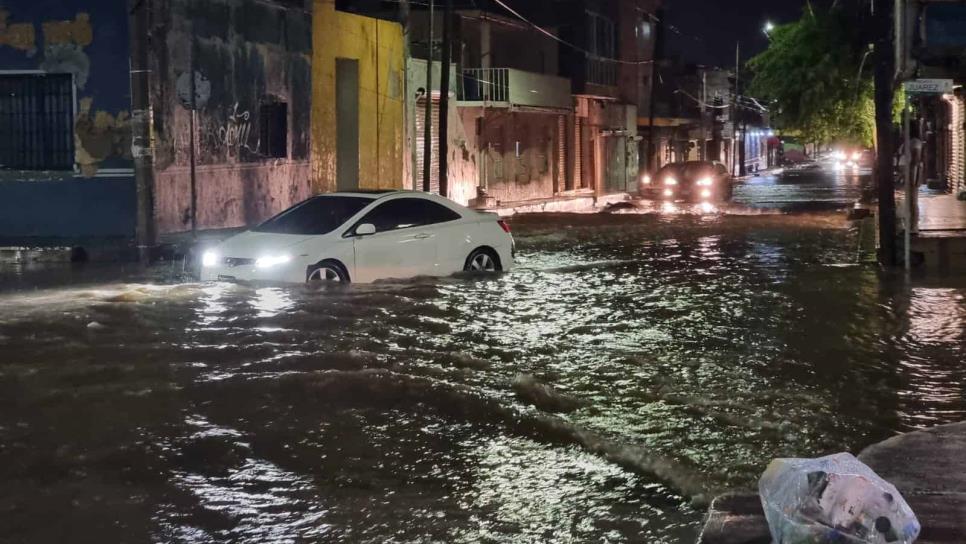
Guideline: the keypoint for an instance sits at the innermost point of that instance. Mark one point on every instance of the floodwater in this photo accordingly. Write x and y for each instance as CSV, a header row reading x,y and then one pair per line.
x,y
632,366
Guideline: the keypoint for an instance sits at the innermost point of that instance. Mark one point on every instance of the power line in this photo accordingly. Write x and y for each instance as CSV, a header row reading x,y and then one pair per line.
x,y
553,36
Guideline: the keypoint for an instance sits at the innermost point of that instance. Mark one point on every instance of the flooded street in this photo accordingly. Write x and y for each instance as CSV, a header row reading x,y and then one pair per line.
x,y
633,365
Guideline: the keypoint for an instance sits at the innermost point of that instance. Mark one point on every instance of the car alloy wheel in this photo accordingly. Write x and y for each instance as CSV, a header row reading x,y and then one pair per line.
x,y
481,261
326,273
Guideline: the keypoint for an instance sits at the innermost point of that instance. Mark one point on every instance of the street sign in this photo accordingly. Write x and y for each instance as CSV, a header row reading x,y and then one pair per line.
x,y
929,86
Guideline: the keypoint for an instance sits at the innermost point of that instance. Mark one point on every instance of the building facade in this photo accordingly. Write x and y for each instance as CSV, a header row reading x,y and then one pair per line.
x,y
249,65
65,153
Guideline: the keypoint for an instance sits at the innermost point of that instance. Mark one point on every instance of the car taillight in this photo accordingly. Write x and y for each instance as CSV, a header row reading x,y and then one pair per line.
x,y
504,225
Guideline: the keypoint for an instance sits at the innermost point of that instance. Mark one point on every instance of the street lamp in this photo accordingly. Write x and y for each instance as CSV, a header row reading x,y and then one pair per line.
x,y
769,26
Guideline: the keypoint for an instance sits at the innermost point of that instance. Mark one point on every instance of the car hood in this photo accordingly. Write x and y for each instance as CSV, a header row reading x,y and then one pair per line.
x,y
251,244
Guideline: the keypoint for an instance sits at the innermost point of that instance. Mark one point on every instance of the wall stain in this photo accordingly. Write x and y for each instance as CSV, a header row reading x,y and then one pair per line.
x,y
77,32
19,35
67,58
99,135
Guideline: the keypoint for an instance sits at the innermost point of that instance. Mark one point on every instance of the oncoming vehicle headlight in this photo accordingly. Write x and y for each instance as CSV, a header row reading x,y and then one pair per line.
x,y
646,179
209,258
704,182
670,181
271,260
856,156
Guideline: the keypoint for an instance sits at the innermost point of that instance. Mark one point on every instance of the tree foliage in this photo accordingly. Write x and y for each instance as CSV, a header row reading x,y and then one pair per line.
x,y
816,75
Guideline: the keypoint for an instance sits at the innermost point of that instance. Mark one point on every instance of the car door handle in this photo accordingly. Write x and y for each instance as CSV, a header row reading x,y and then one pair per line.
x,y
422,236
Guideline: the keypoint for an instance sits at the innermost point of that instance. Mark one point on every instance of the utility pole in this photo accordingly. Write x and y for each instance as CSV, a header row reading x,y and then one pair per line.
x,y
884,70
410,137
142,142
192,123
428,115
655,58
734,113
704,115
444,98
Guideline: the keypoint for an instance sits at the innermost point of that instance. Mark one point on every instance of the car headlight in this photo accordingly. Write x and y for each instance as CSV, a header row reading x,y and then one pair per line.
x,y
271,260
856,156
646,179
704,182
209,258
670,181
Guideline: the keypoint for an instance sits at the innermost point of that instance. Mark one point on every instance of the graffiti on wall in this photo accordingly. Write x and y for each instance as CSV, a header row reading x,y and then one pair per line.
x,y
235,134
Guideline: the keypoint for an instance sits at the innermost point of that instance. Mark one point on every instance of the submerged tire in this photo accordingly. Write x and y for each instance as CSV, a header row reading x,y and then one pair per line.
x,y
483,260
327,272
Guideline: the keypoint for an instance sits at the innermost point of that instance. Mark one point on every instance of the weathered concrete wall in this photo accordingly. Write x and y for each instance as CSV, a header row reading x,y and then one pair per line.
x,y
518,152
65,208
90,41
378,46
245,54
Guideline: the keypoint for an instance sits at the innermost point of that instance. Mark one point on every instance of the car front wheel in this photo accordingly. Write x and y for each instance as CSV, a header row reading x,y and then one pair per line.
x,y
326,273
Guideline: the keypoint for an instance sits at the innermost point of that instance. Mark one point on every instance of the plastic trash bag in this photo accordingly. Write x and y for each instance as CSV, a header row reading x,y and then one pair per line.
x,y
834,499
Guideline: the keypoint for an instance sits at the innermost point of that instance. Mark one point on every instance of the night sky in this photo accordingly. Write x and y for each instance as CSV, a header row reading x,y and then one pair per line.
x,y
709,29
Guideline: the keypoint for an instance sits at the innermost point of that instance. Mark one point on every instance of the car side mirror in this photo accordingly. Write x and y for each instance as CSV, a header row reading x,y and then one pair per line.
x,y
365,229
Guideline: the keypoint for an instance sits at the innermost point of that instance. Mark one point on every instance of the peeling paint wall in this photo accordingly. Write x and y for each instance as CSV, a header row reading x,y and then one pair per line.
x,y
245,54
89,40
378,47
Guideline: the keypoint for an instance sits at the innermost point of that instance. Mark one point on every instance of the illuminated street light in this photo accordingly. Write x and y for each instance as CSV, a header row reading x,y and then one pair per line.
x,y
769,26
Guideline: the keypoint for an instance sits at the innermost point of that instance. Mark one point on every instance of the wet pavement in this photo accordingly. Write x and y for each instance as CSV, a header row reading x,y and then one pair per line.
x,y
632,366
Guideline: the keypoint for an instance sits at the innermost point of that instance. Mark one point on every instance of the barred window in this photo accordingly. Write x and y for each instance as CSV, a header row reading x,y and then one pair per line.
x,y
273,120
36,121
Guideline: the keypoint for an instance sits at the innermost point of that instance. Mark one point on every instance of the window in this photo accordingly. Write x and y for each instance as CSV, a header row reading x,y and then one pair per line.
x,y
37,121
408,212
319,215
273,119
602,35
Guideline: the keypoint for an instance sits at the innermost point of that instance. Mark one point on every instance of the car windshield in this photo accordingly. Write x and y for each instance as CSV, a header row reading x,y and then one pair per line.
x,y
319,215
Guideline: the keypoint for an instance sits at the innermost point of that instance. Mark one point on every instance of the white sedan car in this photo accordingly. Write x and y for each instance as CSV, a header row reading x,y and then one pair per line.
x,y
361,237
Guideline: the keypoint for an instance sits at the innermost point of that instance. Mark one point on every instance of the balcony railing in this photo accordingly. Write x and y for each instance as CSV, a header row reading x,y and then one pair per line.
x,y
601,71
486,85
508,87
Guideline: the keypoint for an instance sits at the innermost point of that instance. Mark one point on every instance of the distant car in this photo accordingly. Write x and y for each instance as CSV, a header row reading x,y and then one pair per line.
x,y
362,237
853,158
693,181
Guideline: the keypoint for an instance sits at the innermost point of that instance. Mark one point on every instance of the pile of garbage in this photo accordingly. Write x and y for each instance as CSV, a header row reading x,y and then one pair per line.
x,y
833,499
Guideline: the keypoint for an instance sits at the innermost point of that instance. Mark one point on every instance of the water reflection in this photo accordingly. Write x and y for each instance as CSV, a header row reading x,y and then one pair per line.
x,y
629,365
270,301
932,377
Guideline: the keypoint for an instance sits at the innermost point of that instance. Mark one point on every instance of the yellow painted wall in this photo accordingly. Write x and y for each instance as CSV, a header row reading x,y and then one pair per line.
x,y
378,46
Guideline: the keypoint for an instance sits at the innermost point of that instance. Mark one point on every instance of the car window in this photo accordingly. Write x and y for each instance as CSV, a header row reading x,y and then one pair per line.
x,y
403,213
318,215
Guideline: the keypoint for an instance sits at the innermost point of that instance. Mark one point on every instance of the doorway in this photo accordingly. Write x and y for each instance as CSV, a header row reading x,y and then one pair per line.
x,y
347,124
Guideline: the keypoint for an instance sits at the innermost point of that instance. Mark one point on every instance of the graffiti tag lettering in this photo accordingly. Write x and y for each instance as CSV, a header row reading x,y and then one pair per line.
x,y
235,134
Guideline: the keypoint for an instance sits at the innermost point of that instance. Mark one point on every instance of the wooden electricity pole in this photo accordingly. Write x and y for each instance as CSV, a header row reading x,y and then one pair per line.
x,y
428,115
444,98
884,54
142,142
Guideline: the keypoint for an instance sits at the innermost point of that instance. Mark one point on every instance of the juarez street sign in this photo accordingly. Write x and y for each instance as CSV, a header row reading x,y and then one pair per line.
x,y
929,86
